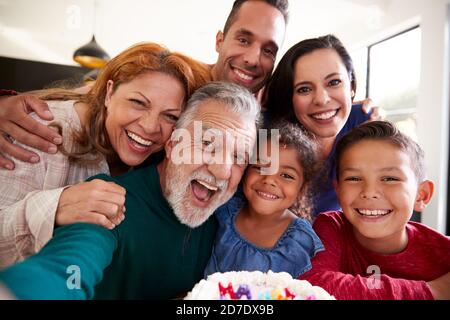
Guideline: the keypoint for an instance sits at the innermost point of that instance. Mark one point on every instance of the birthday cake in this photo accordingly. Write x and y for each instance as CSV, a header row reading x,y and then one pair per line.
x,y
256,285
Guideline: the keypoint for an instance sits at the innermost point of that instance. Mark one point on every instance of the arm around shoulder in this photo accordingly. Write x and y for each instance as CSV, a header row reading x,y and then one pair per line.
x,y
16,123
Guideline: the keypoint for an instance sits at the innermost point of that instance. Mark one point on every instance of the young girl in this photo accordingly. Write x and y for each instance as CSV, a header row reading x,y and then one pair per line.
x,y
267,227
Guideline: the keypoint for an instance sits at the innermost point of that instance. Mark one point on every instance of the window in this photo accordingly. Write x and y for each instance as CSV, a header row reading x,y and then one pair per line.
x,y
390,73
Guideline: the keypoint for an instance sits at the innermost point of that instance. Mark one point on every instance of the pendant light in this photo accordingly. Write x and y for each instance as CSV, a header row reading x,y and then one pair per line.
x,y
91,55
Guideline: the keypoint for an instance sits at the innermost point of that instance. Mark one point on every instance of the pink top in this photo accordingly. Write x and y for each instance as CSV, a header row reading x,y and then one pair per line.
x,y
348,271
29,194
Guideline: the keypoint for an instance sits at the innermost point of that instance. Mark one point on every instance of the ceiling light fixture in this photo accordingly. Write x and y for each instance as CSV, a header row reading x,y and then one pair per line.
x,y
91,55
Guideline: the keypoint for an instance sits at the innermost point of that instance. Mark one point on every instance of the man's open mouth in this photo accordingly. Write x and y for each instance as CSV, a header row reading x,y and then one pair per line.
x,y
202,190
244,76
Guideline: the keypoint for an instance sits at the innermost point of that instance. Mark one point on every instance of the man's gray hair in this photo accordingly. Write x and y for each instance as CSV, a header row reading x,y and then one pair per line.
x,y
233,97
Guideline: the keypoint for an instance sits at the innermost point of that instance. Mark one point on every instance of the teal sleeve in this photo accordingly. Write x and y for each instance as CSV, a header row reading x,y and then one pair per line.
x,y
102,176
68,267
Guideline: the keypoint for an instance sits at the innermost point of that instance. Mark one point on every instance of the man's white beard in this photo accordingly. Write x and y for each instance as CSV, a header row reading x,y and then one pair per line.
x,y
177,192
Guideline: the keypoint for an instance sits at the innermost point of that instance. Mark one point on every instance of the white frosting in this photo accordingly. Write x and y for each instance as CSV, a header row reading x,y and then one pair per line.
x,y
260,285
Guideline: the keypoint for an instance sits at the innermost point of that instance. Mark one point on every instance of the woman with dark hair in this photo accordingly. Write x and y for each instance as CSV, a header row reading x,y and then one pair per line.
x,y
314,85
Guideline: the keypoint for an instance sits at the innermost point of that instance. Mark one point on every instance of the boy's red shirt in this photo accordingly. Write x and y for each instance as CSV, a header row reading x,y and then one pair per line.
x,y
346,270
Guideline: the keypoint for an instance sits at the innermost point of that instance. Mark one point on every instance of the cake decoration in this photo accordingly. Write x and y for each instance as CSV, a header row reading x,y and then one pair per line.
x,y
255,285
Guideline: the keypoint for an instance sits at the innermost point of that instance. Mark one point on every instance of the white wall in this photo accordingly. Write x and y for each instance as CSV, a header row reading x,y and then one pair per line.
x,y
51,30
433,106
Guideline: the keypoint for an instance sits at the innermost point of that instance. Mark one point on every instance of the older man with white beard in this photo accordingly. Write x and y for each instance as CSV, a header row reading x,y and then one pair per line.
x,y
163,245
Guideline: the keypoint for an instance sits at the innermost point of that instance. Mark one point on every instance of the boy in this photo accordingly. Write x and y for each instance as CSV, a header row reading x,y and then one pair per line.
x,y
372,251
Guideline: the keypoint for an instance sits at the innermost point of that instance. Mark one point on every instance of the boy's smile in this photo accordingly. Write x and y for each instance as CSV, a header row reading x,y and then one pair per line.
x,y
373,213
378,190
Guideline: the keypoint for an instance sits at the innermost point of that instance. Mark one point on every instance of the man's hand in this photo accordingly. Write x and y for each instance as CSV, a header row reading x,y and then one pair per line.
x,y
440,287
378,113
16,124
97,201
